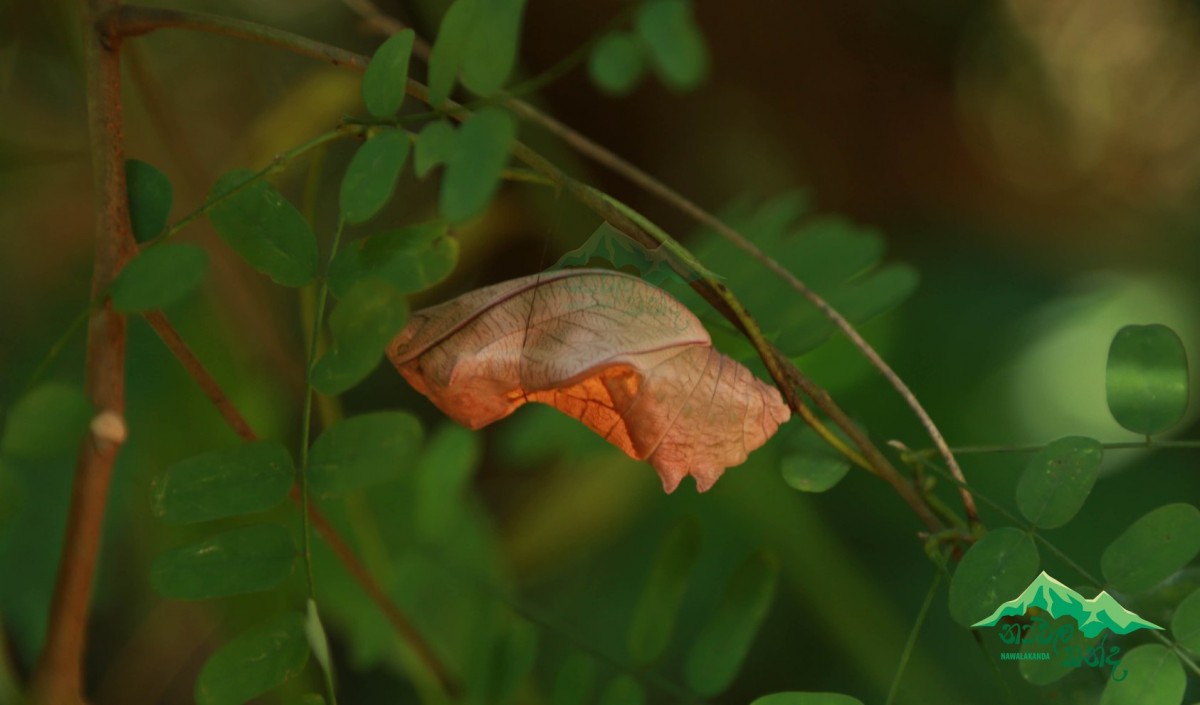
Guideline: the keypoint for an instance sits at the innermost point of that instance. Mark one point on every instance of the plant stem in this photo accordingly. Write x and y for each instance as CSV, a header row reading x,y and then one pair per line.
x,y
1035,447
911,642
58,679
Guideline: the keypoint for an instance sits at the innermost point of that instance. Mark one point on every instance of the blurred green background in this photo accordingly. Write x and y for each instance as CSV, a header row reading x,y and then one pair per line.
x,y
1035,161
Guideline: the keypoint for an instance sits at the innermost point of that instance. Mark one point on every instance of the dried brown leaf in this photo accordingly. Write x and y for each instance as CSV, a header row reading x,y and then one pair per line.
x,y
622,356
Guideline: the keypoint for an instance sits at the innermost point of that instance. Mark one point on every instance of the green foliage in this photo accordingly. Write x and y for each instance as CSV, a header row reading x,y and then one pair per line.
x,y
508,664
254,662
410,259
806,699
371,175
1154,676
1057,481
386,77
1153,548
314,632
677,49
158,277
362,451
47,421
717,654
1147,378
1185,623
575,681
435,144
609,246
12,500
443,475
810,464
251,477
616,64
998,567
1046,671
478,41
235,562
363,324
474,168
264,228
623,690
657,608
833,257
150,197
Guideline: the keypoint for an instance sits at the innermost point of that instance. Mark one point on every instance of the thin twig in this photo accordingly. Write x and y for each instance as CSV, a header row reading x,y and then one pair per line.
x,y
349,560
59,676
138,20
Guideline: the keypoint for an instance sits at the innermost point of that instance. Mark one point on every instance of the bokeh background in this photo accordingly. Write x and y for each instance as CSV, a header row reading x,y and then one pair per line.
x,y
1036,161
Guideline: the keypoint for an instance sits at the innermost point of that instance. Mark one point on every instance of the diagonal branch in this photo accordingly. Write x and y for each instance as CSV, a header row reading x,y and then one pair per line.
x,y
212,389
138,20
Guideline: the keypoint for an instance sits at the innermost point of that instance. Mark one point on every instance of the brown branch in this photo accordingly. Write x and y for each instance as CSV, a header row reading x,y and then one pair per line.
x,y
58,679
345,554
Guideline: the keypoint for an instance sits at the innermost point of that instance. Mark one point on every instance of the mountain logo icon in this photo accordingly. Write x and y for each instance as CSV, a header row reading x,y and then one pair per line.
x,y
1093,616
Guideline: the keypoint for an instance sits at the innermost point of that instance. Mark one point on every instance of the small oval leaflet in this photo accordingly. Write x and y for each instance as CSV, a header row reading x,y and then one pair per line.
x,y
410,259
158,277
369,316
150,198
386,77
575,681
657,608
264,228
622,356
362,451
48,421
997,568
718,652
238,561
1154,676
616,63
251,477
254,662
1185,623
435,144
1058,480
1147,378
623,690
1153,548
476,164
677,49
372,173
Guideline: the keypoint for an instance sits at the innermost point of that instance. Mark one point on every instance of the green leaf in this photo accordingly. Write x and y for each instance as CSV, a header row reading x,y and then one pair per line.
x,y
150,198
446,56
12,501
1046,671
158,277
443,472
410,259
717,654
1058,480
264,228
512,658
386,77
623,690
813,473
1185,623
491,51
1153,548
254,662
997,568
655,615
364,322
311,699
235,562
1153,676
616,63
314,632
1147,378
362,451
372,174
797,698
434,146
48,421
675,44
474,169
575,681
252,477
